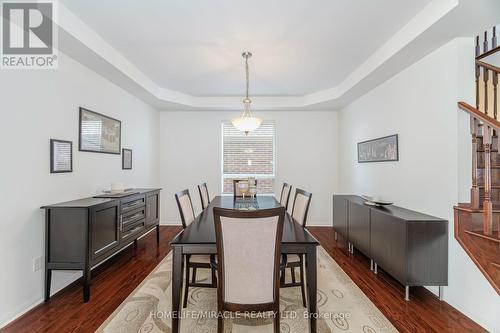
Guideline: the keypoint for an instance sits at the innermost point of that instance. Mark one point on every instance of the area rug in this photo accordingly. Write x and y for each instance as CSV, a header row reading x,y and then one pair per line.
x,y
342,306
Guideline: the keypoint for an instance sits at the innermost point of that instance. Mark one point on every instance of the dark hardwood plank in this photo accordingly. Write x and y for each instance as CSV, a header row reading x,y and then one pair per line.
x,y
114,280
424,313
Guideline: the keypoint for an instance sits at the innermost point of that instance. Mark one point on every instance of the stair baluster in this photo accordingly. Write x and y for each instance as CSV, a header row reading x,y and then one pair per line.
x,y
478,72
487,204
474,192
494,39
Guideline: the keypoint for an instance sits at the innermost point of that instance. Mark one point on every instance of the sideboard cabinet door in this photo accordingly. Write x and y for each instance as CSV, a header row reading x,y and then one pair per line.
x,y
340,215
388,246
104,228
359,227
152,208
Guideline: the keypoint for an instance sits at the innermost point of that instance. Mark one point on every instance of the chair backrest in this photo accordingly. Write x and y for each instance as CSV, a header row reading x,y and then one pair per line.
x,y
236,190
285,195
204,197
185,207
301,206
248,254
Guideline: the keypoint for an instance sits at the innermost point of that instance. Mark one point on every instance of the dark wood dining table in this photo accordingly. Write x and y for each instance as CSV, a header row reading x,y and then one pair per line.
x,y
199,238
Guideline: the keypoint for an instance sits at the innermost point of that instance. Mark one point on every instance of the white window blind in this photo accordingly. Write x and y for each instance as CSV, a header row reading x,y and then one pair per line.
x,y
251,155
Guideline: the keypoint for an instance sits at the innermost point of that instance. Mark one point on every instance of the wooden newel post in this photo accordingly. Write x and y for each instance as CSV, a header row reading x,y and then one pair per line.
x,y
474,192
487,205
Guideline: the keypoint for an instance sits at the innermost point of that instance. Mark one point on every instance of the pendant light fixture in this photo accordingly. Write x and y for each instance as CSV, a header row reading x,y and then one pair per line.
x,y
247,122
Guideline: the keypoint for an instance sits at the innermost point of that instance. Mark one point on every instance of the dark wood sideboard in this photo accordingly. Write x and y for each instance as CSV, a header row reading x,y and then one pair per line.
x,y
82,233
412,247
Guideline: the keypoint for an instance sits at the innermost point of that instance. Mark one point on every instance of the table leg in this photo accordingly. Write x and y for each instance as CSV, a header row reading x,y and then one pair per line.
x,y
177,269
311,286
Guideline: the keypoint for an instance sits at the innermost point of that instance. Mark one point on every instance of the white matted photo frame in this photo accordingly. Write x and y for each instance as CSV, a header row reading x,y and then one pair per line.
x,y
126,159
61,156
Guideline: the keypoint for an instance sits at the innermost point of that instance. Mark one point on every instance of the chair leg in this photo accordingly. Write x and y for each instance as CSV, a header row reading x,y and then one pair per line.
x,y
292,271
277,317
186,289
302,287
282,277
214,278
194,275
220,324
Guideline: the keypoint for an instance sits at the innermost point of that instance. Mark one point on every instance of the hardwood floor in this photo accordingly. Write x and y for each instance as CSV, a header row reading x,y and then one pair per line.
x,y
114,280
424,312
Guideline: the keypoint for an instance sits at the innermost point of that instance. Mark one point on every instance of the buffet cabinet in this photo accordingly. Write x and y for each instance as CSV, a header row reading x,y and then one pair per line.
x,y
82,233
412,247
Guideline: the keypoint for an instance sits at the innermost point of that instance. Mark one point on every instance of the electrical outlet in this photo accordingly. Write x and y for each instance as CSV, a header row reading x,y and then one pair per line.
x,y
37,264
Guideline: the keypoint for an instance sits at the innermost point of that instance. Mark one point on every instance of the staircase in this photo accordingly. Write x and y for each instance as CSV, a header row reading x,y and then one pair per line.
x,y
477,224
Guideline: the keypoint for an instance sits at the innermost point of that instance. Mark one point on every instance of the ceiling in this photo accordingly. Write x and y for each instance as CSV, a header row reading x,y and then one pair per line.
x,y
194,47
308,54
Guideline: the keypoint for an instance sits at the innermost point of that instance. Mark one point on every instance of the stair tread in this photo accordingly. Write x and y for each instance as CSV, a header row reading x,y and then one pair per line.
x,y
467,207
492,167
480,150
493,237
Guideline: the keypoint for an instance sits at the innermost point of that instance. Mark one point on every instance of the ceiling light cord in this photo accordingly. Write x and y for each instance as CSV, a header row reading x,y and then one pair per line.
x,y
248,75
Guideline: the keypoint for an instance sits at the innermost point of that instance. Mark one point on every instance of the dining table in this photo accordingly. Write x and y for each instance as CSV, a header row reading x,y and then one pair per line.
x,y
199,238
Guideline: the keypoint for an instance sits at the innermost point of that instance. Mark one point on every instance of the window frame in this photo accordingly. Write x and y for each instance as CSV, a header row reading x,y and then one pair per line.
x,y
224,176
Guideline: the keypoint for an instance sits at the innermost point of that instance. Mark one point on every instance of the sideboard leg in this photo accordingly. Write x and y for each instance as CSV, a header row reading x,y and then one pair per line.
x,y
48,278
158,234
371,264
336,236
441,293
407,293
375,269
86,284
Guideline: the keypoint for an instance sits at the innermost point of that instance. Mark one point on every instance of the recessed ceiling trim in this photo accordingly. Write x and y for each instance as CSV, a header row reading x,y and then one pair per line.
x,y
141,85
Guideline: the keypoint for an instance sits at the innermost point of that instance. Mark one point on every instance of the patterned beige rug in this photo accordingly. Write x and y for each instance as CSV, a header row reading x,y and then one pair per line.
x,y
342,305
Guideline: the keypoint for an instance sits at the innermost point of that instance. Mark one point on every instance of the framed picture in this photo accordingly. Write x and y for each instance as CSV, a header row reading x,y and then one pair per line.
x,y
99,133
126,159
379,150
61,156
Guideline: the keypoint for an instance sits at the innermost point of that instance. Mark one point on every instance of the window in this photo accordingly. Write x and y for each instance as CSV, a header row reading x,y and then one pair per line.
x,y
251,155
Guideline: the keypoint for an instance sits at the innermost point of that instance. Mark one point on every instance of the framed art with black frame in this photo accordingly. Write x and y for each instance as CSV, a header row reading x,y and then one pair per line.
x,y
126,159
99,133
385,149
61,156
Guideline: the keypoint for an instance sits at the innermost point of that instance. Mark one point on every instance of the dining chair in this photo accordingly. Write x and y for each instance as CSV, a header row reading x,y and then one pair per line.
x,y
248,256
193,261
300,209
204,197
285,195
236,190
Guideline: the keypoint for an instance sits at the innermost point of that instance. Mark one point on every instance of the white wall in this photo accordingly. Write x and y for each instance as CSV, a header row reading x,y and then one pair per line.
x,y
37,105
420,105
306,148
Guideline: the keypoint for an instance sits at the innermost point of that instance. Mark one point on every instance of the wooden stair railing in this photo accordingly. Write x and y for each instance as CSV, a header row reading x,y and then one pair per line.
x,y
477,225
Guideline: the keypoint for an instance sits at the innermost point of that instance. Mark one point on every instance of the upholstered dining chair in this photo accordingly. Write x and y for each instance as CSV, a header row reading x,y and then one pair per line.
x,y
248,256
299,213
236,190
204,197
193,261
285,195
